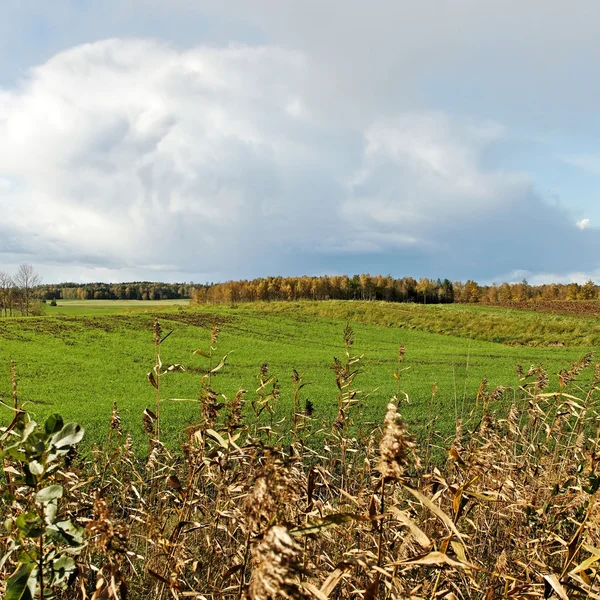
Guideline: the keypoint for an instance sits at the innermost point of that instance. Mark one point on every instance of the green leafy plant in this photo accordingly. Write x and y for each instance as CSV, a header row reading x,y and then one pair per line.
x,y
44,540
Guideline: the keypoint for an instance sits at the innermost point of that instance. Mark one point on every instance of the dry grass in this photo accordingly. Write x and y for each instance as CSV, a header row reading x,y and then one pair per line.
x,y
509,512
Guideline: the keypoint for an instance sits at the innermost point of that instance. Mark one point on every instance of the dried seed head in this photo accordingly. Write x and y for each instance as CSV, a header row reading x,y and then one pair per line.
x,y
434,389
153,456
264,370
488,425
401,353
566,377
338,368
157,331
340,420
214,334
273,490
277,567
541,378
482,391
115,420
210,407
519,371
348,336
563,378
497,393
234,416
107,535
579,449
513,419
295,376
128,446
276,393
395,446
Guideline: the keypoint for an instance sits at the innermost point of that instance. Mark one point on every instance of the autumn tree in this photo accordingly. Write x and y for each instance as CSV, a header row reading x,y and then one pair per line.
x,y
492,295
588,290
425,288
471,292
572,291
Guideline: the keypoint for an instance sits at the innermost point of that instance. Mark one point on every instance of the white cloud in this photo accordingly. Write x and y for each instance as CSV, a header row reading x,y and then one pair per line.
x,y
566,277
133,152
135,157
421,174
583,224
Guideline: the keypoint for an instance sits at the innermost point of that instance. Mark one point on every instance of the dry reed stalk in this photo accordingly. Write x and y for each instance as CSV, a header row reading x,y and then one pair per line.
x,y
277,567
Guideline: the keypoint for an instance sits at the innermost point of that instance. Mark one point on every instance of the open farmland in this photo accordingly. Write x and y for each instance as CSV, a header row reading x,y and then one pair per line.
x,y
329,504
83,356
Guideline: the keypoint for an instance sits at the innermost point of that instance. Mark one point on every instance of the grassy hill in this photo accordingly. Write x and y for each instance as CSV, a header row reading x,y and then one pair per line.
x,y
83,356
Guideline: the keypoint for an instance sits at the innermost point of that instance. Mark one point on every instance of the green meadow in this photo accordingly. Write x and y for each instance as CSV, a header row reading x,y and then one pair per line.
x,y
84,355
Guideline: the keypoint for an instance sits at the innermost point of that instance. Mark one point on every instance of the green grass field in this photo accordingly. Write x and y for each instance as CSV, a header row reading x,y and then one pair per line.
x,y
83,356
107,307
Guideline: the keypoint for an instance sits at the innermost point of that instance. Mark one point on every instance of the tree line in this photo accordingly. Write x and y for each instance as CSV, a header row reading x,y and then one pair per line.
x,y
137,290
22,293
388,288
505,293
335,287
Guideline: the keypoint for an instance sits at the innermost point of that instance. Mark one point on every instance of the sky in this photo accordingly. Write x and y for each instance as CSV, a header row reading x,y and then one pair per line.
x,y
189,140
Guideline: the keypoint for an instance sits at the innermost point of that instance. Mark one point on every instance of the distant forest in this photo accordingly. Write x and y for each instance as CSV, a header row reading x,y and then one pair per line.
x,y
138,290
22,292
336,287
379,287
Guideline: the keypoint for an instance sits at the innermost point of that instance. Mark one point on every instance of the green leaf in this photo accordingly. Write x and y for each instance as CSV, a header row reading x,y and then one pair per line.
x,y
69,435
53,424
29,429
30,525
36,468
14,545
20,585
15,453
50,510
63,568
8,524
66,532
7,497
52,492
13,449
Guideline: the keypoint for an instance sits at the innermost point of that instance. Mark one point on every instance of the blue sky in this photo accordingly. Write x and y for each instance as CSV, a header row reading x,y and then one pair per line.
x,y
190,140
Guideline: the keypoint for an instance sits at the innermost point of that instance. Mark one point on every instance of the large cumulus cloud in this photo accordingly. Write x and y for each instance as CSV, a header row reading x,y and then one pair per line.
x,y
131,158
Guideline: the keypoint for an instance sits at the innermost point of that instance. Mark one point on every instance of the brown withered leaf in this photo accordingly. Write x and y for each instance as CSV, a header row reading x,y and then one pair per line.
x,y
371,591
150,414
152,379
